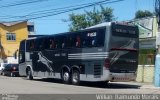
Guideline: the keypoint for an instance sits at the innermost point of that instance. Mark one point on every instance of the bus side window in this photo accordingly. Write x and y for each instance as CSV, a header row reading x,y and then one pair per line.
x,y
52,44
63,41
94,41
22,45
57,44
78,41
41,44
84,40
100,38
31,46
46,43
71,41
38,45
88,41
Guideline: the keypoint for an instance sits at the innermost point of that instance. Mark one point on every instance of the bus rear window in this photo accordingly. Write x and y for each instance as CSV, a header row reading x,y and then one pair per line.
x,y
124,30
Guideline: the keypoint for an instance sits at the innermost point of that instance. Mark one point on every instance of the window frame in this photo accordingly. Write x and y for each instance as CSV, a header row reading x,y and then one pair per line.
x,y
10,36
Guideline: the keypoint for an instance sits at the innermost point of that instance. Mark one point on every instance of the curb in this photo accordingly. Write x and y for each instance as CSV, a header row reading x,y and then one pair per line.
x,y
149,87
140,85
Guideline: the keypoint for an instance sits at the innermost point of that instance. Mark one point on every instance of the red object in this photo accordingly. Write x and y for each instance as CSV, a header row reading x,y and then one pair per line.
x,y
107,63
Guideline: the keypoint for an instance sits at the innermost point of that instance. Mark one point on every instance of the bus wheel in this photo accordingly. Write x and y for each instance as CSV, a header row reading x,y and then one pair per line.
x,y
66,77
29,74
75,77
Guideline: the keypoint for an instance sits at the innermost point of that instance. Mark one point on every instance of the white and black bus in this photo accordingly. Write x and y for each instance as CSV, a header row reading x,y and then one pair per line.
x,y
107,52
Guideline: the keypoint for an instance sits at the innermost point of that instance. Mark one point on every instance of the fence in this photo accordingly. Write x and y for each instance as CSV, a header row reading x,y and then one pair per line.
x,y
145,73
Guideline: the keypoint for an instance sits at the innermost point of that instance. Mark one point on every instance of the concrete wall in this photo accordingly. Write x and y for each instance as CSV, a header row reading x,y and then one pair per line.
x,y
145,73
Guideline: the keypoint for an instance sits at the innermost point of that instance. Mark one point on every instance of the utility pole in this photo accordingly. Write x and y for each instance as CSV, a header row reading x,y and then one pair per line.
x,y
157,61
157,10
0,48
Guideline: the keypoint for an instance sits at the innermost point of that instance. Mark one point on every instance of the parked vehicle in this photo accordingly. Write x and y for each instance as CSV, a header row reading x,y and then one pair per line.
x,y
11,70
108,52
2,67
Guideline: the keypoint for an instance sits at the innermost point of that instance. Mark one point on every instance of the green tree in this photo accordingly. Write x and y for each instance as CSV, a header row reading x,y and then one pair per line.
x,y
90,18
142,14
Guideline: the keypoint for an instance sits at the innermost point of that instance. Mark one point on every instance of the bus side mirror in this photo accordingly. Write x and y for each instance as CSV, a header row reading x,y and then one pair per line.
x,y
15,54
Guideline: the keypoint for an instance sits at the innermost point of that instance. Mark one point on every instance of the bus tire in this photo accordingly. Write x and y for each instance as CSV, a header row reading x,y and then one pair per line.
x,y
75,79
29,74
65,76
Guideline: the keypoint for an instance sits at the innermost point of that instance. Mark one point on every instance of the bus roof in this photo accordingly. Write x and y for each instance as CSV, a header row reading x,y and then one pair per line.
x,y
100,25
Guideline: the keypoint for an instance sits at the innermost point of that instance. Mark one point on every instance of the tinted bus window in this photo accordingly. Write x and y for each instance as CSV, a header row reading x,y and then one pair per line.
x,y
52,43
124,30
39,44
100,37
94,38
27,45
74,40
71,40
46,43
64,41
58,42
88,38
30,45
22,46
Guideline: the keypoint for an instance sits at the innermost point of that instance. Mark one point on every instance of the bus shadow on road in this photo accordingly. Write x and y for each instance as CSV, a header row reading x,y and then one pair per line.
x,y
110,85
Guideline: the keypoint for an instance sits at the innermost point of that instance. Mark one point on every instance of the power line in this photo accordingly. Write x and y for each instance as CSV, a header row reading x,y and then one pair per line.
x,y
73,9
57,11
53,10
22,3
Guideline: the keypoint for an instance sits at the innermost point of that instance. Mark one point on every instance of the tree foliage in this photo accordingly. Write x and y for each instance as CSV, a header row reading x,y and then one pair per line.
x,y
142,14
90,18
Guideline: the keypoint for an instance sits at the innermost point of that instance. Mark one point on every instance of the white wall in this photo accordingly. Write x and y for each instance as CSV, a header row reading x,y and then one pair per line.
x,y
12,60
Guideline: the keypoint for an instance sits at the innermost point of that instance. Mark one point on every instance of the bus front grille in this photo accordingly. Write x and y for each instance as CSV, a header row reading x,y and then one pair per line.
x,y
97,71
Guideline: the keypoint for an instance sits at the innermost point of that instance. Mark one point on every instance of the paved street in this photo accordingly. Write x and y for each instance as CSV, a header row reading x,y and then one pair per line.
x,y
19,85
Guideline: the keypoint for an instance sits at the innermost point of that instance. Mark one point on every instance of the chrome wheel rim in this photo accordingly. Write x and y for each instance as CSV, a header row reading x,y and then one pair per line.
x,y
28,74
75,77
66,76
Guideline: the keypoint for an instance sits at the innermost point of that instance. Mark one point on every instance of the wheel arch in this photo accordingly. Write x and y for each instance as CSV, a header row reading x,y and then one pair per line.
x,y
75,67
29,67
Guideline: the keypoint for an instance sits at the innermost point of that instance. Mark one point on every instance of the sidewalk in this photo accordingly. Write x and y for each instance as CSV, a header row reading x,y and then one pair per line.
x,y
149,86
141,85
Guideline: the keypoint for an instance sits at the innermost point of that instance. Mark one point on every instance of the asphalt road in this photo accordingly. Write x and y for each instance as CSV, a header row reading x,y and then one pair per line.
x,y
19,85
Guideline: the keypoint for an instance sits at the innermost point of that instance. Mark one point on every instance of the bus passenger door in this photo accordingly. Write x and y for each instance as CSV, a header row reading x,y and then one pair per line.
x,y
22,63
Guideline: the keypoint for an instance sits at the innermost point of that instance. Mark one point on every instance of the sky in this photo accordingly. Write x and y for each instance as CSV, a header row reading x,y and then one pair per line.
x,y
12,10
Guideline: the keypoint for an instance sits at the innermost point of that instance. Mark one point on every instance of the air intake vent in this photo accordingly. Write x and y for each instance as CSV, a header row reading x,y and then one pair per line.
x,y
97,71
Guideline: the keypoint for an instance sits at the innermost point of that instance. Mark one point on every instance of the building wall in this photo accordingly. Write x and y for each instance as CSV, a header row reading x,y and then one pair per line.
x,y
155,27
9,47
145,73
148,29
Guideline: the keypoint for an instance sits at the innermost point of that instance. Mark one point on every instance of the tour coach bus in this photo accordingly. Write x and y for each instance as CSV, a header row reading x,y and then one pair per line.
x,y
104,53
